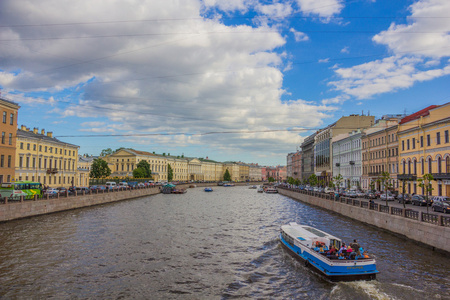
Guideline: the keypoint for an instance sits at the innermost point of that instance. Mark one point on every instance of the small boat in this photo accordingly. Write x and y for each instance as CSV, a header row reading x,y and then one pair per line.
x,y
299,240
208,189
228,184
260,190
179,191
253,187
271,190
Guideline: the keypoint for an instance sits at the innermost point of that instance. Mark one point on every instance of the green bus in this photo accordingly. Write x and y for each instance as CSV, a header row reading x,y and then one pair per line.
x,y
14,190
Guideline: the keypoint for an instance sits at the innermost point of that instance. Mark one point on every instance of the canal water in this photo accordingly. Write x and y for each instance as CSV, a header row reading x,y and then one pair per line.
x,y
219,245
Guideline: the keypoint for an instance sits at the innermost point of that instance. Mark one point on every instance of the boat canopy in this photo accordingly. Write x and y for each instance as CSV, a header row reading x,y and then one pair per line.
x,y
170,185
309,236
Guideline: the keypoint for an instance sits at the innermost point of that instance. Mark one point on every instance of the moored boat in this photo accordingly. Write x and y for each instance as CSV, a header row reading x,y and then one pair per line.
x,y
299,240
271,190
260,190
179,191
228,184
253,187
208,189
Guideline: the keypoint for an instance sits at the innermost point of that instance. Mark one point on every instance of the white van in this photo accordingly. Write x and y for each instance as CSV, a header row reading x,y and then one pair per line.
x,y
123,184
111,185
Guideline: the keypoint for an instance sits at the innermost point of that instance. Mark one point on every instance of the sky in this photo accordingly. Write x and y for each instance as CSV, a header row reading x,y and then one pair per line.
x,y
231,80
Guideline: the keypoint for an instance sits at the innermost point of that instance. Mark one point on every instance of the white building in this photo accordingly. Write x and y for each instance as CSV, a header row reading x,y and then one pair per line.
x,y
347,158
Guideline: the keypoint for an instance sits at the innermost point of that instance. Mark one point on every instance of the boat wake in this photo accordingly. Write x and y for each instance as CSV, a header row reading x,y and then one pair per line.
x,y
361,289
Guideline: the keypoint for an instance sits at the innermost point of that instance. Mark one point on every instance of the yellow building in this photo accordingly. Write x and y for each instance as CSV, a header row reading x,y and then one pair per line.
x,y
8,128
233,169
179,167
244,172
212,170
124,162
84,168
424,148
195,169
41,157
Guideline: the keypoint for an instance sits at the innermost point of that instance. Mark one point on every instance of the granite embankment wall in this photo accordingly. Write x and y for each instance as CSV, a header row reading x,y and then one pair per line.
x,y
438,237
28,208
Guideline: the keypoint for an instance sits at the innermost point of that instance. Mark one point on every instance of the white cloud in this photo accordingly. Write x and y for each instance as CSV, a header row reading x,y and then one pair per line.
x,y
324,9
276,10
427,33
299,36
180,74
382,76
325,60
345,50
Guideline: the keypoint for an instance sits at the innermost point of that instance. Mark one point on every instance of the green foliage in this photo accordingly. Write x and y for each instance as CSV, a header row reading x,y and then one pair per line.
x,y
385,180
99,169
425,182
313,181
139,173
297,181
290,180
169,173
145,168
105,152
372,185
271,179
226,176
338,179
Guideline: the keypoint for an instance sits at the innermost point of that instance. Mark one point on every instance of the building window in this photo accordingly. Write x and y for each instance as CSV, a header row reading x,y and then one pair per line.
x,y
438,138
2,161
407,144
415,167
447,164
439,167
45,149
3,137
423,166
10,138
28,146
439,189
34,147
403,145
421,141
4,117
34,163
28,162
446,136
20,162
413,142
428,140
429,165
40,148
21,145
9,162
51,149
11,119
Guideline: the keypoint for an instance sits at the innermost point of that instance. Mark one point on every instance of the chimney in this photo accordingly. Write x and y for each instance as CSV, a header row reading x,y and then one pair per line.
x,y
23,127
35,130
50,134
42,131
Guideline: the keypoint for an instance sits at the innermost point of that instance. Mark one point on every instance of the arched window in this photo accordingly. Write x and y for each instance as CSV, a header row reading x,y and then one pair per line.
x,y
430,169
409,167
447,164
423,166
404,167
439,167
415,167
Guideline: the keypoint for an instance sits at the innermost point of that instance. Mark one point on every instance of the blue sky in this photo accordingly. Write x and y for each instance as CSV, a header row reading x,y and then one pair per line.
x,y
243,80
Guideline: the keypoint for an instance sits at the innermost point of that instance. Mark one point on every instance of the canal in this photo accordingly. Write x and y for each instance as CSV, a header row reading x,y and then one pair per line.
x,y
198,245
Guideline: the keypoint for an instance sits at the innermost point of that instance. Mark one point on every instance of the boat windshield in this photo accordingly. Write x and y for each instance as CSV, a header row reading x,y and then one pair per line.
x,y
315,231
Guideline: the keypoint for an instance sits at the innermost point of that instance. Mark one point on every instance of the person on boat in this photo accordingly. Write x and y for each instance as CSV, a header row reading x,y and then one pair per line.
x,y
365,254
341,256
349,250
332,250
316,248
321,250
355,246
343,249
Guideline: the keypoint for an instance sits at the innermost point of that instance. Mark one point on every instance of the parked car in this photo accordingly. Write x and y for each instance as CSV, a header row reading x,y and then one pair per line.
x,y
442,206
360,194
81,189
406,200
387,197
111,185
52,192
418,200
440,198
370,195
350,194
62,191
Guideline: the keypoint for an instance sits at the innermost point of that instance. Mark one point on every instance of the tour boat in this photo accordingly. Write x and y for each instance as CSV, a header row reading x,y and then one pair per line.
x,y
299,240
228,184
179,191
208,189
271,190
260,190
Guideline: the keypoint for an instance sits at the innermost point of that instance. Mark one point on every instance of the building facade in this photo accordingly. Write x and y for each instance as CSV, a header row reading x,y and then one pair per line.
x,y
297,165
307,164
347,159
424,145
42,158
8,128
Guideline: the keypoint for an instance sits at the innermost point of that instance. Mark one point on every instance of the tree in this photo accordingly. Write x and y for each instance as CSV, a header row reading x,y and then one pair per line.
x,y
297,182
107,151
313,181
271,179
372,186
425,182
145,169
139,173
169,173
226,176
385,180
337,180
99,169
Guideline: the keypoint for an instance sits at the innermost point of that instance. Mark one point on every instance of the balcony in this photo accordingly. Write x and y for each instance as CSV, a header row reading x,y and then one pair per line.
x,y
441,176
338,164
409,177
352,162
374,173
52,170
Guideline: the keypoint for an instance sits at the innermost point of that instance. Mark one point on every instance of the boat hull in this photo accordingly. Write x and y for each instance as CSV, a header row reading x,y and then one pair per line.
x,y
332,273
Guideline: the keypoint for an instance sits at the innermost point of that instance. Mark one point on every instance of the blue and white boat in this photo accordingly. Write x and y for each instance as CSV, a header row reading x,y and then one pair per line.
x,y
299,240
208,189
